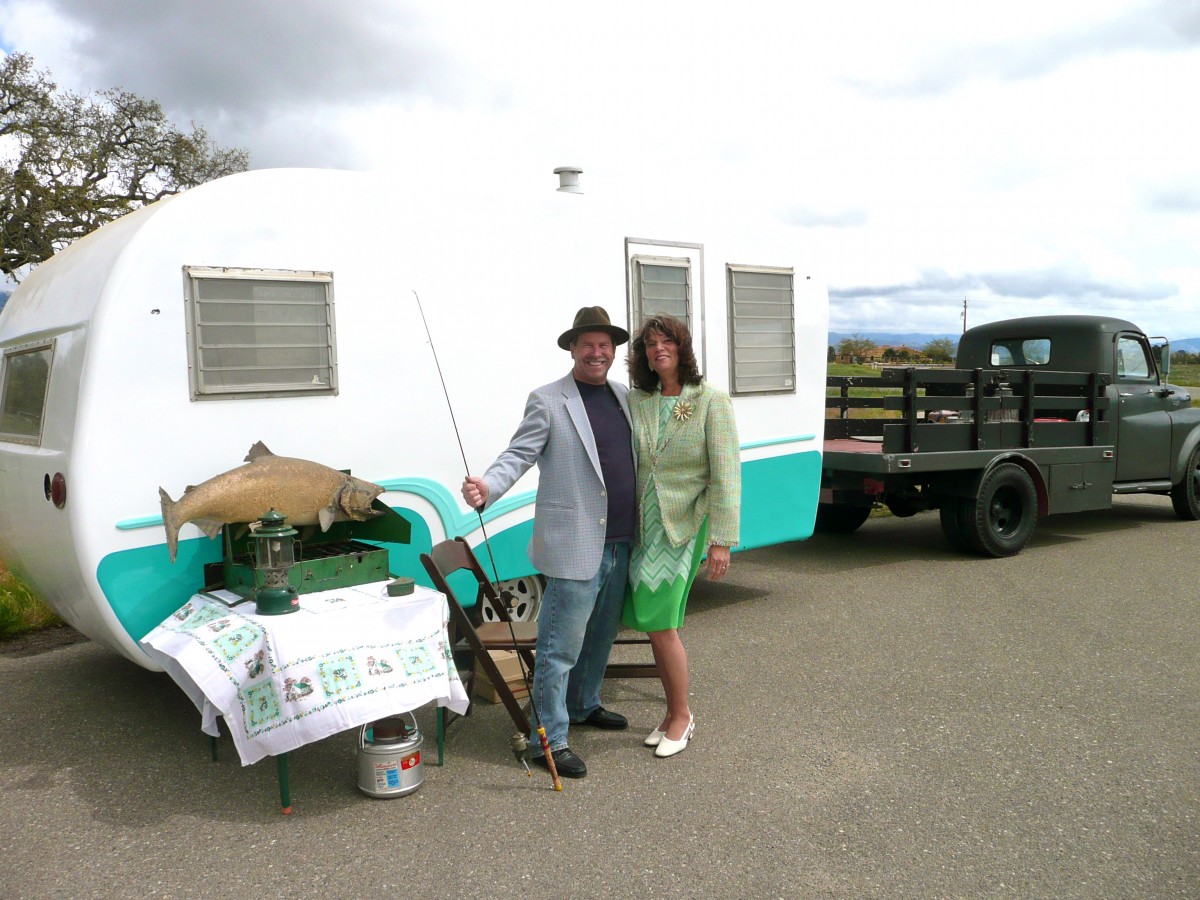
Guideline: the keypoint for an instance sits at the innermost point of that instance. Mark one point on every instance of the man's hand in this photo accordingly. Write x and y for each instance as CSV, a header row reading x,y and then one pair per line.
x,y
474,491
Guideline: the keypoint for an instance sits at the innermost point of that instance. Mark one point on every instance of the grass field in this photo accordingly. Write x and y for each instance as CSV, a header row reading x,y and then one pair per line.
x,y
1184,376
20,609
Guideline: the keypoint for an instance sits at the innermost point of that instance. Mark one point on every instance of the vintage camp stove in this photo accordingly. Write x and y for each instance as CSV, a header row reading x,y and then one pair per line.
x,y
325,560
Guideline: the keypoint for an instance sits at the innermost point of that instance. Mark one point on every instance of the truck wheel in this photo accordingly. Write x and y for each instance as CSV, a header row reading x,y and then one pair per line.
x,y
1002,517
1185,496
834,518
953,516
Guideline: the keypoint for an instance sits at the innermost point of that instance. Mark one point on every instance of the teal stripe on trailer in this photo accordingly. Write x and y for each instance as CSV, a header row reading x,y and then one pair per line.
x,y
454,520
143,587
779,504
774,442
779,499
507,549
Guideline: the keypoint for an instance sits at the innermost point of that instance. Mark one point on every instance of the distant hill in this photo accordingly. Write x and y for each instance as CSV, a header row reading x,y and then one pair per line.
x,y
917,341
891,338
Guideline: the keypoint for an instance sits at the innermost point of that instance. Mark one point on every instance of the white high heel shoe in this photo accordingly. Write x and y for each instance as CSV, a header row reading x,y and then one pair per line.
x,y
654,737
667,747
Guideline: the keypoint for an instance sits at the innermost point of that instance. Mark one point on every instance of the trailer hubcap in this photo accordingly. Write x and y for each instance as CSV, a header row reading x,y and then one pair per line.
x,y
522,598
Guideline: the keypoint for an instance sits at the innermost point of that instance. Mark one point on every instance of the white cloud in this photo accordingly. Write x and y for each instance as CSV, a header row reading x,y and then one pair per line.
x,y
1037,145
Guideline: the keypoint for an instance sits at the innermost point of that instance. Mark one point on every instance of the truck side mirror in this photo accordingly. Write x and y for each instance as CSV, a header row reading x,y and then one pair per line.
x,y
1162,352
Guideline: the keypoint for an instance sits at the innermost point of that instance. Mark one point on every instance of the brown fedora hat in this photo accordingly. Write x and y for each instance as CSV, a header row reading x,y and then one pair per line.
x,y
592,318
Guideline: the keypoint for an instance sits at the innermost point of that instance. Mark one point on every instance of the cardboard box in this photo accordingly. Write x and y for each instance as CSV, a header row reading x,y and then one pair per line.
x,y
509,665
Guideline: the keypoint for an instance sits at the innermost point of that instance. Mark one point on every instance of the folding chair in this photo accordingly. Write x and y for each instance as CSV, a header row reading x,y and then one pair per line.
x,y
451,556
442,561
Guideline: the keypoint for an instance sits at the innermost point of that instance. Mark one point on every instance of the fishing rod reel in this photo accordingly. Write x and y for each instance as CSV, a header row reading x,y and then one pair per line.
x,y
520,749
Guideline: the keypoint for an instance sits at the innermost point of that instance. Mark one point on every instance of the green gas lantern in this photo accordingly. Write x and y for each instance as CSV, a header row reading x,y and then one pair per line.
x,y
275,556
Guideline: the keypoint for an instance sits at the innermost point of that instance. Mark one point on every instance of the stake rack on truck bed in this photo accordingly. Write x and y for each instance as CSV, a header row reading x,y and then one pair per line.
x,y
1049,415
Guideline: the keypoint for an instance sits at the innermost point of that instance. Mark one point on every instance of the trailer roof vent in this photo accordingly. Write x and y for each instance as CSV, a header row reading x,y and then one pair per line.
x,y
568,179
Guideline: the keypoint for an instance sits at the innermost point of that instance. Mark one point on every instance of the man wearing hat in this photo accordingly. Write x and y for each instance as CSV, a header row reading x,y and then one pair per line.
x,y
579,433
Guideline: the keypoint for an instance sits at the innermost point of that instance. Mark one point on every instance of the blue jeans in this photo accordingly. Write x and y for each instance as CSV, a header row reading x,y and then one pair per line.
x,y
576,627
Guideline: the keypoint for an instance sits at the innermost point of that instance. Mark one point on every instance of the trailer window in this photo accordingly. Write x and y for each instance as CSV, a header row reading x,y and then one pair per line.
x,y
256,333
762,344
1020,352
23,385
662,285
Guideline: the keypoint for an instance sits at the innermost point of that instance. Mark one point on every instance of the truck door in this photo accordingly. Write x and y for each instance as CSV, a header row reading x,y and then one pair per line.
x,y
1143,423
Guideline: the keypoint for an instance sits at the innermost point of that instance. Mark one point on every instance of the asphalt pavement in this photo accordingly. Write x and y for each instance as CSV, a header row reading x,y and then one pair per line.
x,y
877,716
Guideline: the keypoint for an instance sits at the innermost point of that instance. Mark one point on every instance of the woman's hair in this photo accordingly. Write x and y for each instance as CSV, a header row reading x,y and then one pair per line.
x,y
645,378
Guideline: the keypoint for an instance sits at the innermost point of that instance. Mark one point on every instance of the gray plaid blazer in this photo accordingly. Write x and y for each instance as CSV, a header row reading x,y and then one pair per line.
x,y
571,508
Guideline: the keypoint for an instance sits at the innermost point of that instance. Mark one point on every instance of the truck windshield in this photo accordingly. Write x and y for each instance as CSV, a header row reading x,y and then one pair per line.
x,y
1020,352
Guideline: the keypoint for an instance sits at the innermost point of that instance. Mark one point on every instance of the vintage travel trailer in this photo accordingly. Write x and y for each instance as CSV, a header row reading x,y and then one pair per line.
x,y
282,306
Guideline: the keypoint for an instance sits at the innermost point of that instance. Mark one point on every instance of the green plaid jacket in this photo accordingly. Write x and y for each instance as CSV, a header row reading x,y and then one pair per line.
x,y
696,469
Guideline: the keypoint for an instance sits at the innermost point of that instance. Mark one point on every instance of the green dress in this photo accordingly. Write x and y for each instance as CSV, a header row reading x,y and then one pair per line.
x,y
660,575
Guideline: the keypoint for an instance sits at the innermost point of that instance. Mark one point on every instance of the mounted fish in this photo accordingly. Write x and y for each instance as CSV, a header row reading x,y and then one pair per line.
x,y
308,493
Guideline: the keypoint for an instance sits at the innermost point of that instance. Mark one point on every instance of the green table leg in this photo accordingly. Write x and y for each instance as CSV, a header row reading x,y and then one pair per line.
x,y
285,790
441,733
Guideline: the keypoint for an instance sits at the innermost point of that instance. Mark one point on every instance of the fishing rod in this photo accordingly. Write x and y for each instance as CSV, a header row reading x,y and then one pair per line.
x,y
518,741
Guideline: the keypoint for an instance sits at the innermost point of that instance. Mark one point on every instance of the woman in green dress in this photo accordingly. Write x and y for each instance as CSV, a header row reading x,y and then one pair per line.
x,y
689,493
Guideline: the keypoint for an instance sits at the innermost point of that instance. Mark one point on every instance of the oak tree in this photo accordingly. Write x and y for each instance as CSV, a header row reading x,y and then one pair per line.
x,y
71,163
855,347
940,350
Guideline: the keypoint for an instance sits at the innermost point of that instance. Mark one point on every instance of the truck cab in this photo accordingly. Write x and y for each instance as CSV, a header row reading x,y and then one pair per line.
x,y
1153,425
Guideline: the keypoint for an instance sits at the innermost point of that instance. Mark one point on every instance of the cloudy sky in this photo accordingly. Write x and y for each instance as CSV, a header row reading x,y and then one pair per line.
x,y
1028,157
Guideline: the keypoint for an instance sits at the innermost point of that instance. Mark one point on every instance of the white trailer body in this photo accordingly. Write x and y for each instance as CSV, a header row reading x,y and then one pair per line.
x,y
117,376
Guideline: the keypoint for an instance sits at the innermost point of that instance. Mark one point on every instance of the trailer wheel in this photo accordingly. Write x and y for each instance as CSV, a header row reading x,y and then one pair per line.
x,y
953,517
525,601
835,518
1185,496
1002,517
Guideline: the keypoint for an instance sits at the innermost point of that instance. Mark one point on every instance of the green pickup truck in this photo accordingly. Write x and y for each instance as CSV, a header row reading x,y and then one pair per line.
x,y
1042,415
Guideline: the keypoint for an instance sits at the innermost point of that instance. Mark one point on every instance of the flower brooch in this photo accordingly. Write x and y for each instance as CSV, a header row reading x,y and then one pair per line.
x,y
683,410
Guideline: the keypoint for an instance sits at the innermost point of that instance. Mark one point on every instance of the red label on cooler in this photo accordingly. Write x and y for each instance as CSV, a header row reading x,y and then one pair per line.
x,y
409,761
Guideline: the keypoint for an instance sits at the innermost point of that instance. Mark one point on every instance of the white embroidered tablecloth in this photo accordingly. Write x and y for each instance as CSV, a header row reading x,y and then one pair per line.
x,y
346,658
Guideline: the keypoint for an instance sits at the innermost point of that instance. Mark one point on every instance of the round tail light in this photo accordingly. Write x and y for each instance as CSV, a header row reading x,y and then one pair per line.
x,y
58,490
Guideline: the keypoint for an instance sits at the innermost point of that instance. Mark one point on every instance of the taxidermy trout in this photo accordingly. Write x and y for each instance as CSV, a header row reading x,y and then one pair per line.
x,y
308,493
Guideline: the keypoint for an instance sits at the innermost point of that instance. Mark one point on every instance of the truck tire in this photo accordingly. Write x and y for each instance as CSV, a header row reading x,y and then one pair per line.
x,y
835,518
1001,519
953,516
1185,496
